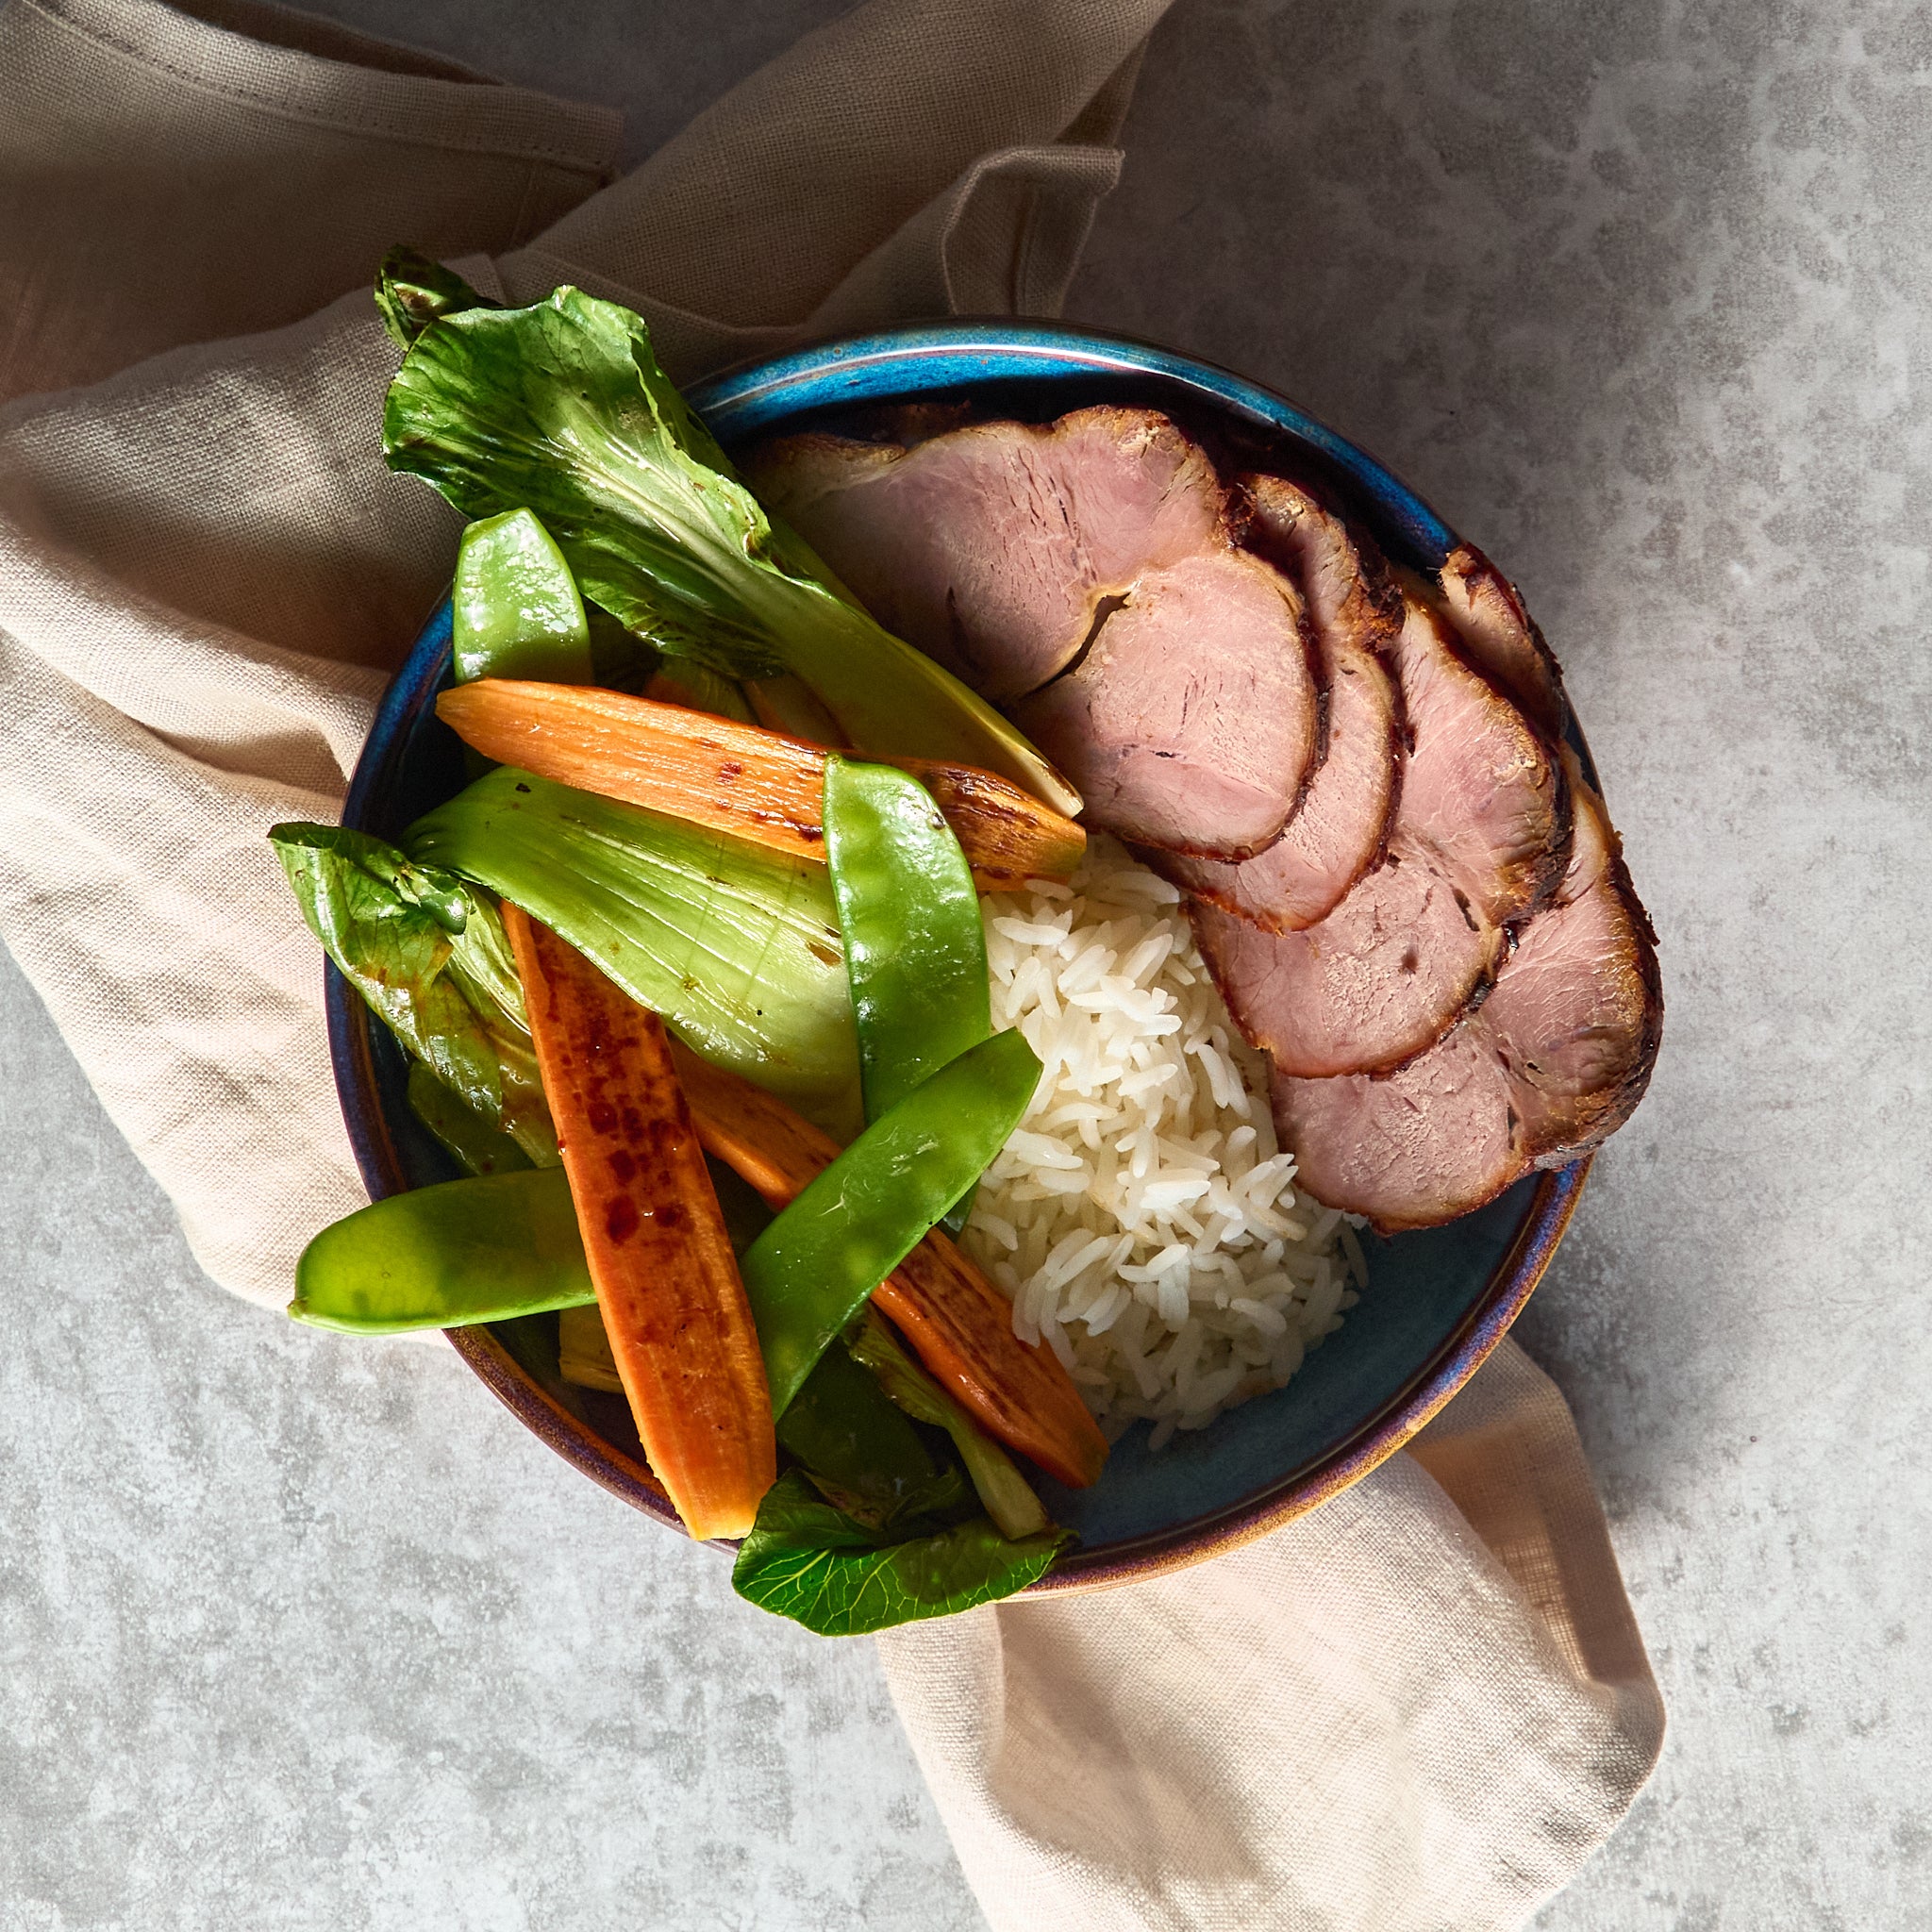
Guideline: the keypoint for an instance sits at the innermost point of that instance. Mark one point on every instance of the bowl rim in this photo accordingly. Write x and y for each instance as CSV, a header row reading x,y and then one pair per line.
x,y
1005,349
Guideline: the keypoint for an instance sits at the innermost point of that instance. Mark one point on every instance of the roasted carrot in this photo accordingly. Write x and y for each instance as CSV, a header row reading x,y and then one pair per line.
x,y
660,1260
738,778
1008,836
957,1322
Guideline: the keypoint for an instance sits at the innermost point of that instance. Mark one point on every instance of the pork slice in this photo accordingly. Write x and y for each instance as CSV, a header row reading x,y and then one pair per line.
x,y
1190,721
1577,1016
1342,574
1501,639
1483,792
994,548
1555,1062
1342,826
1409,1149
1372,984
1479,839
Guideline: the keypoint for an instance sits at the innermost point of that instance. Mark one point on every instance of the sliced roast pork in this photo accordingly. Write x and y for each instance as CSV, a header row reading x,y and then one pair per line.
x,y
1501,638
1342,826
1084,576
1191,723
1480,841
1577,1011
996,547
1484,793
1555,1062
1376,982
1348,586
1408,1149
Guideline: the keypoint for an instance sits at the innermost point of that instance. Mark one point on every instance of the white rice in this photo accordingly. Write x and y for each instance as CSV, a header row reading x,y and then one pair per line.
x,y
1142,1218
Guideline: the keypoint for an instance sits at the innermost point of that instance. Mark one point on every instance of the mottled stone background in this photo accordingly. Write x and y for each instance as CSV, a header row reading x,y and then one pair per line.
x,y
300,1633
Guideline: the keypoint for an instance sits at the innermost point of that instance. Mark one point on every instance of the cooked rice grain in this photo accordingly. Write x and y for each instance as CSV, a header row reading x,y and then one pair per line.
x,y
1142,1219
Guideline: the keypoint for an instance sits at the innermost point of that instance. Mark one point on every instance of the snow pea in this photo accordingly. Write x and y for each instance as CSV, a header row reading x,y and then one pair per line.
x,y
915,952
516,611
813,1269
480,1250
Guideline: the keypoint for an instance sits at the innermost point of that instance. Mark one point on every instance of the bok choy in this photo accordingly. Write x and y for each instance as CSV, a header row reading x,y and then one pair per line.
x,y
429,956
809,1560
736,946
561,408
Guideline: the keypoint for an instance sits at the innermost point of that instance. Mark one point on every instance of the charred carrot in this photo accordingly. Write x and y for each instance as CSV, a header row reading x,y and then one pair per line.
x,y
957,1322
660,1260
1008,836
737,778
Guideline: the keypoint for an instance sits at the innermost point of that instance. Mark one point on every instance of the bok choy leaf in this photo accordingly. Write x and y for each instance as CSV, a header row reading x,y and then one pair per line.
x,y
411,291
735,946
562,408
430,957
1007,1496
466,1136
811,1562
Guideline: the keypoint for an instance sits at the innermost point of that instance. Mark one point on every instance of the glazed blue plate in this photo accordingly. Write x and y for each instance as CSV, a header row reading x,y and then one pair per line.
x,y
1437,1302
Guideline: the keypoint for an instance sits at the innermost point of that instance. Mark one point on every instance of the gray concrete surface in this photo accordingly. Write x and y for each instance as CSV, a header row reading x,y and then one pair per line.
x,y
1635,292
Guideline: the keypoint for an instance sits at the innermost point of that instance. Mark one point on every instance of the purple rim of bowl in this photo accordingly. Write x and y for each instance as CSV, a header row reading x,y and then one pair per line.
x,y
859,368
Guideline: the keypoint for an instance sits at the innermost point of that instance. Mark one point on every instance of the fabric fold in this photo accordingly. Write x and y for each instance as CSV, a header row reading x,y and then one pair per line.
x,y
1419,1706
758,211
164,180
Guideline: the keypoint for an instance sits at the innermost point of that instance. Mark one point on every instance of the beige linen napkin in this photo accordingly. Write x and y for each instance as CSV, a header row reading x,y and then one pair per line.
x,y
1421,1707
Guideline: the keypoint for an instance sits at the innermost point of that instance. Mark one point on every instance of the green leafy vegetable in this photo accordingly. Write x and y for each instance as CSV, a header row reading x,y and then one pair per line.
x,y
1009,1497
618,661
861,1451
736,946
815,1267
562,408
445,1257
411,291
811,1562
698,688
466,1136
430,957
514,606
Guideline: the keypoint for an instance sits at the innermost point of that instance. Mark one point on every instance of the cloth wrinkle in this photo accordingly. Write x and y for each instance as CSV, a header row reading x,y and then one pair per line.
x,y
290,81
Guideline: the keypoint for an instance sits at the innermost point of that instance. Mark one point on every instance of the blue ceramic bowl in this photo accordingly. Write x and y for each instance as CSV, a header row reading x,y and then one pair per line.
x,y
1437,1302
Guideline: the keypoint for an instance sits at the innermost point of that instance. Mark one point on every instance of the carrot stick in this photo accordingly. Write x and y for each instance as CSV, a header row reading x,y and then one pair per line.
x,y
667,1282
957,1322
738,778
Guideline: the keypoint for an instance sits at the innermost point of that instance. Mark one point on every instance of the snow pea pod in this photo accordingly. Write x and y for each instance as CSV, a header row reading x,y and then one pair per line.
x,y
915,951
813,1270
516,611
481,1250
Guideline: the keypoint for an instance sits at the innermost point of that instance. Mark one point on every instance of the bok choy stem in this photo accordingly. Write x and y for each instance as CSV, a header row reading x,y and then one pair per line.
x,y
562,408
735,946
